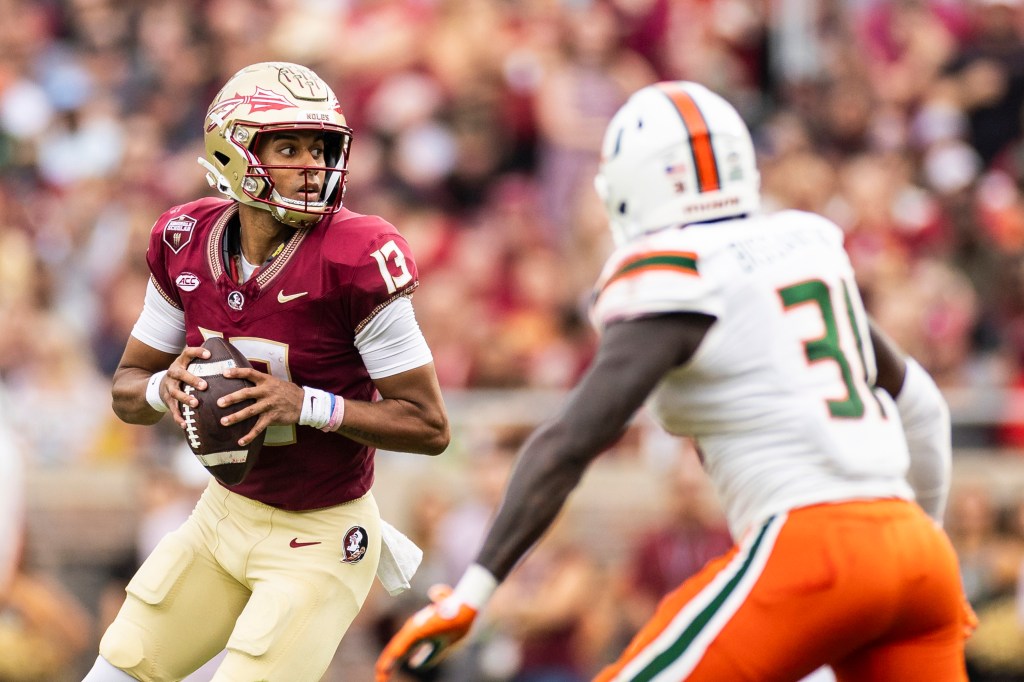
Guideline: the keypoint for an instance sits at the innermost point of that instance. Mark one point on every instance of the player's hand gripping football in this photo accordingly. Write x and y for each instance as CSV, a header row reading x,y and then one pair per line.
x,y
171,389
275,402
427,636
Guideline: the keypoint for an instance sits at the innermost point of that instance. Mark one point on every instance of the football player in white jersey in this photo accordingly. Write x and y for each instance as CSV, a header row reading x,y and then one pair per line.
x,y
747,332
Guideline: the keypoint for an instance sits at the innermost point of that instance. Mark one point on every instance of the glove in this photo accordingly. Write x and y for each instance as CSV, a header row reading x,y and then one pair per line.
x,y
426,637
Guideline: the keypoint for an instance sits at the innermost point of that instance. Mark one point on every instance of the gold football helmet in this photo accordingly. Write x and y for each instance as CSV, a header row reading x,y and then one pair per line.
x,y
269,97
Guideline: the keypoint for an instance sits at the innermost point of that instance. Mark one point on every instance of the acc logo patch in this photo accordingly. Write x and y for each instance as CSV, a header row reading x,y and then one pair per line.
x,y
178,232
354,545
187,281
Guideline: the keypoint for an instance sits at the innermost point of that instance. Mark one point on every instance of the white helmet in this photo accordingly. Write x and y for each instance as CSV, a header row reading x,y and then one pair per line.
x,y
270,97
675,153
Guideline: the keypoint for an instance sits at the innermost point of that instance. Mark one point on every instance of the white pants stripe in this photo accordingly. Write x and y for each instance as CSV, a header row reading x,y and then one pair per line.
x,y
675,653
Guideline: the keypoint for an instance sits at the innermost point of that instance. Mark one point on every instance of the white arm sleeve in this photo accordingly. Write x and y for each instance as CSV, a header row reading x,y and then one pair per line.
x,y
392,341
160,324
927,427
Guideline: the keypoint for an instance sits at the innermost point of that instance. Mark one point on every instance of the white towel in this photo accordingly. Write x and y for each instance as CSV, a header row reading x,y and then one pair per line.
x,y
399,559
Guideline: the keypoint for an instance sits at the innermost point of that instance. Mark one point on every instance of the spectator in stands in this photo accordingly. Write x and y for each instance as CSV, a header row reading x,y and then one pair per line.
x,y
463,526
43,627
989,72
55,375
559,613
988,569
12,497
995,653
692,533
587,79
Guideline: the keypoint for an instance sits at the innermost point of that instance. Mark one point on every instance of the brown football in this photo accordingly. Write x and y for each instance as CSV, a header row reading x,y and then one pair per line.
x,y
214,444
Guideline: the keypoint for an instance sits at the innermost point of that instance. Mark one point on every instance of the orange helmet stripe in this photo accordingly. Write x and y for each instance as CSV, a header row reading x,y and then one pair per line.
x,y
700,138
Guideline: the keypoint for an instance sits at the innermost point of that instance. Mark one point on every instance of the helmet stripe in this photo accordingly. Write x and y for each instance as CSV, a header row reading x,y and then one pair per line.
x,y
700,137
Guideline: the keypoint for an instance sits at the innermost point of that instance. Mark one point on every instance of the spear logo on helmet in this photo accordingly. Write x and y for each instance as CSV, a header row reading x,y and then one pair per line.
x,y
260,100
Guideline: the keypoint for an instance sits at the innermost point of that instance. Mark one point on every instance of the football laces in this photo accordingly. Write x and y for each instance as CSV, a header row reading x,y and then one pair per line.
x,y
189,415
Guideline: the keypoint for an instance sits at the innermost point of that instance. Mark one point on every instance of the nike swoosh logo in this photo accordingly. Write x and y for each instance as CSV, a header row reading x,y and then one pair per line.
x,y
295,543
284,298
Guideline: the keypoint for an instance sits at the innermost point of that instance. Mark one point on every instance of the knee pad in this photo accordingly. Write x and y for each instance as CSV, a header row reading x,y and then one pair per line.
x,y
122,645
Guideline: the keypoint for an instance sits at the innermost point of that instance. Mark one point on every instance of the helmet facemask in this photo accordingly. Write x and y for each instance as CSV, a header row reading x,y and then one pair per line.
x,y
258,186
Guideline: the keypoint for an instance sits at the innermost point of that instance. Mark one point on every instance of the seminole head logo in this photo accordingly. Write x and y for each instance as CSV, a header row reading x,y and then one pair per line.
x,y
355,543
261,100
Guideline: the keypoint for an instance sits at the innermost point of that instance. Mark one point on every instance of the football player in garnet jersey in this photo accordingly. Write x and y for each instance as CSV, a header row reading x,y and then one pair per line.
x,y
747,332
318,298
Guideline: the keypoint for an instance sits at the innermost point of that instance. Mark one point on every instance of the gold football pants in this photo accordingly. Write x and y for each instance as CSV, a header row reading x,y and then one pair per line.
x,y
278,589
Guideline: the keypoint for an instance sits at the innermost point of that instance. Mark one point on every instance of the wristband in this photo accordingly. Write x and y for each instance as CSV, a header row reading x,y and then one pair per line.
x,y
337,414
316,408
153,392
475,586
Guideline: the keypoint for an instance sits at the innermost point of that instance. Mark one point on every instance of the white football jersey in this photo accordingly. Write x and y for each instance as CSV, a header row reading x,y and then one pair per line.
x,y
780,395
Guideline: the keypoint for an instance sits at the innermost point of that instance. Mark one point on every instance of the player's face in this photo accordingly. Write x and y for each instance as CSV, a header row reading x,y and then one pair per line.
x,y
293,159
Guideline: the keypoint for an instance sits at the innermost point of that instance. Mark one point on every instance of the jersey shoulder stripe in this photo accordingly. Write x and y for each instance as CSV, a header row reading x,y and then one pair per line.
x,y
656,276
684,262
679,262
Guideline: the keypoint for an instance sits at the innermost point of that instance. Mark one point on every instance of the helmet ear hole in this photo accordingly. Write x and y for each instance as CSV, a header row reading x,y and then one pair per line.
x,y
622,208
222,157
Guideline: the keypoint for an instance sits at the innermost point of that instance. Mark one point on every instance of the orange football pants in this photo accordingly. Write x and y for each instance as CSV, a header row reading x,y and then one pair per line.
x,y
871,588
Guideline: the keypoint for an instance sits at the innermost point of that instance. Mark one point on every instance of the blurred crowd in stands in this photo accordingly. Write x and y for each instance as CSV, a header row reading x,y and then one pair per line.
x,y
477,125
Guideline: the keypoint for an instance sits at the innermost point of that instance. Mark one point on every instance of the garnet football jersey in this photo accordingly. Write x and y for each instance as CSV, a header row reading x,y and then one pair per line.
x,y
780,394
296,318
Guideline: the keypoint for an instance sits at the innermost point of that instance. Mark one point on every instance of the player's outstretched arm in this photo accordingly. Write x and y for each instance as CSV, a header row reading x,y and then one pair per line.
x,y
632,358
